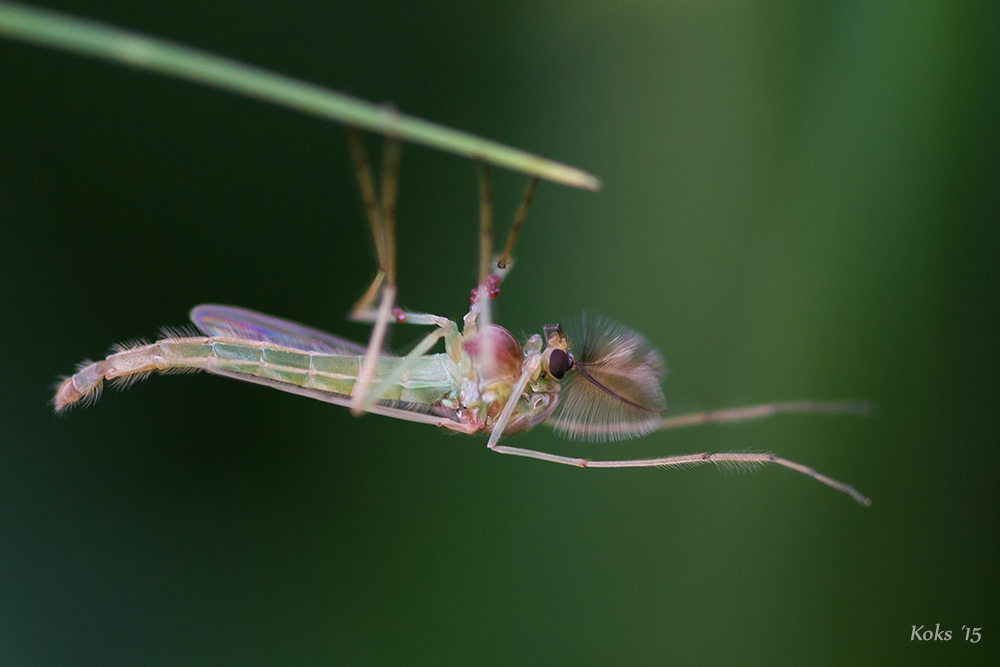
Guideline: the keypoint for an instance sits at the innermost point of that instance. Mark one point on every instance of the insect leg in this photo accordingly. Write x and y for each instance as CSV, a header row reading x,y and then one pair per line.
x,y
492,270
745,413
374,349
485,222
529,368
391,150
480,315
383,224
374,213
685,460
860,408
519,217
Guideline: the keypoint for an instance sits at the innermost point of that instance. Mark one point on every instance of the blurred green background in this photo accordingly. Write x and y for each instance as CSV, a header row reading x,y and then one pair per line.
x,y
800,201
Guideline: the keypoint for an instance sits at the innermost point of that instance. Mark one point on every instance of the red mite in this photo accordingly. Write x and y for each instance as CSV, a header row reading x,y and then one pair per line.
x,y
493,285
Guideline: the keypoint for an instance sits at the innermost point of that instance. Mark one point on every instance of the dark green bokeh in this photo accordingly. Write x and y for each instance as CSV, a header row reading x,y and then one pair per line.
x,y
800,202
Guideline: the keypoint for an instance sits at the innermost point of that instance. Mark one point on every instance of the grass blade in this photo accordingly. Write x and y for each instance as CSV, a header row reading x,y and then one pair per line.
x,y
56,30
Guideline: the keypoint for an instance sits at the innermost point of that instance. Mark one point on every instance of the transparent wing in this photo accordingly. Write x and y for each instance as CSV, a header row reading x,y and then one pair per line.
x,y
613,392
216,320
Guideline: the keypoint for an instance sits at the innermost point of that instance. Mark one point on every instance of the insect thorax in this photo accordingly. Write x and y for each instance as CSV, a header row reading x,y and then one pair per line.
x,y
492,379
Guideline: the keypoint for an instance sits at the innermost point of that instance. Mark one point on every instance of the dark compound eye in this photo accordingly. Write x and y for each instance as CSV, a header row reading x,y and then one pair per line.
x,y
560,362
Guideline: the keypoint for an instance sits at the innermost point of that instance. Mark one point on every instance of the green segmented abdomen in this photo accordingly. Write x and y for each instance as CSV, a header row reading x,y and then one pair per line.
x,y
427,382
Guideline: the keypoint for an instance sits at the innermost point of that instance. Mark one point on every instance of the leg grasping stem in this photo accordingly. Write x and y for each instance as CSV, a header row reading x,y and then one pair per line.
x,y
485,222
382,218
480,313
366,185
390,180
519,217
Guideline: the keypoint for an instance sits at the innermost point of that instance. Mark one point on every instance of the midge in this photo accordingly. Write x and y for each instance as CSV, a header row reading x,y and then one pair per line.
x,y
599,381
